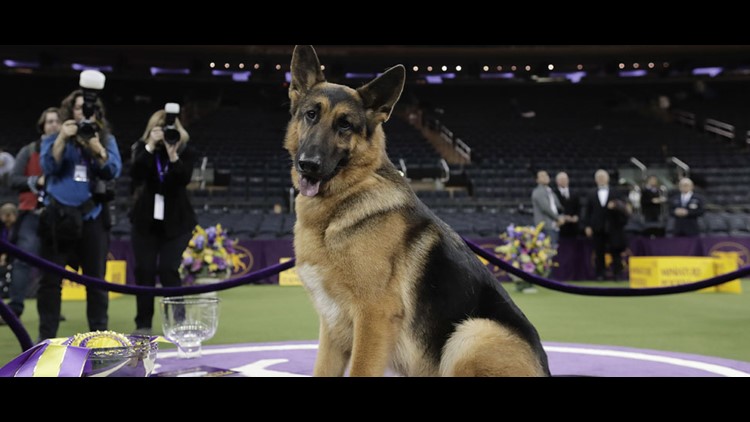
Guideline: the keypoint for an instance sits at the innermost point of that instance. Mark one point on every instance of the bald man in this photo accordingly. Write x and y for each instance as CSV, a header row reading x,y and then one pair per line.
x,y
686,208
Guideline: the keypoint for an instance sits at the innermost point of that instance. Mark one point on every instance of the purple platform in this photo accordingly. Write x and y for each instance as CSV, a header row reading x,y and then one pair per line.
x,y
293,359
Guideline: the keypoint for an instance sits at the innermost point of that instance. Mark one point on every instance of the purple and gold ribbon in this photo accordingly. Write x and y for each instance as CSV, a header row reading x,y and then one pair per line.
x,y
59,358
48,359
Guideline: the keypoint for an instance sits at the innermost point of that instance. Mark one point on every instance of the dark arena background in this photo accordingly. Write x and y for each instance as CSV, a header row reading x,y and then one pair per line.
x,y
473,127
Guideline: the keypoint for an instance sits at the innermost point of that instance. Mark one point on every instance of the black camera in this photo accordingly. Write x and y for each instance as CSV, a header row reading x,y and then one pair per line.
x,y
104,191
171,134
91,81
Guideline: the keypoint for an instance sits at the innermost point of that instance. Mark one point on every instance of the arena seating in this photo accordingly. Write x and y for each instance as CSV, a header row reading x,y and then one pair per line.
x,y
576,128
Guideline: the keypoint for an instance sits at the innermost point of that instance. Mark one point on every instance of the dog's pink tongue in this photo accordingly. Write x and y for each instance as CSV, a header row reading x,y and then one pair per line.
x,y
308,189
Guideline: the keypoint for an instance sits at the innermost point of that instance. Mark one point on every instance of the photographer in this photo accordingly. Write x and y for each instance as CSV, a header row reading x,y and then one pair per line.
x,y
73,226
162,217
27,179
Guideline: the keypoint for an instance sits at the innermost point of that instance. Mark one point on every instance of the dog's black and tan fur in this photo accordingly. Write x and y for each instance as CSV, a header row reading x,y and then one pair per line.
x,y
394,286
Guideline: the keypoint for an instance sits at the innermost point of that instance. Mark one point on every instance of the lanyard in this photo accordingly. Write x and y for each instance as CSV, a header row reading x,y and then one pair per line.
x,y
82,157
159,168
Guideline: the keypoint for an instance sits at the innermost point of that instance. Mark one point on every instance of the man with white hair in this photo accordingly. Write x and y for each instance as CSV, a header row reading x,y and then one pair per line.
x,y
686,208
605,216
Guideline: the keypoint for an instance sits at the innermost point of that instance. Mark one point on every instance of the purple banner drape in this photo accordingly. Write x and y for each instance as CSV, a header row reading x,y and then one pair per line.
x,y
575,256
255,255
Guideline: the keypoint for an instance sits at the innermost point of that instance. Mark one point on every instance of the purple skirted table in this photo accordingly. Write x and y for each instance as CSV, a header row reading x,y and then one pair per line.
x,y
575,256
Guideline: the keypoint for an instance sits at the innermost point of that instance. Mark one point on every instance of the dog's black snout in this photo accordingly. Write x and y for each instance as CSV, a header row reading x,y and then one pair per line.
x,y
310,165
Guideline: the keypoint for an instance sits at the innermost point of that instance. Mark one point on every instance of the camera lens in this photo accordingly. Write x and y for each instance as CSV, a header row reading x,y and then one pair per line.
x,y
171,136
87,130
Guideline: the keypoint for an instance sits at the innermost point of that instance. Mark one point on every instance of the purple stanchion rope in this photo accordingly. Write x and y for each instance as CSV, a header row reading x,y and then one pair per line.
x,y
141,290
26,343
15,325
605,291
23,336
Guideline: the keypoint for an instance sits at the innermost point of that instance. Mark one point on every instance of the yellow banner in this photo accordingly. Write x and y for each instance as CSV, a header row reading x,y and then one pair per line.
x,y
290,276
647,272
727,262
116,273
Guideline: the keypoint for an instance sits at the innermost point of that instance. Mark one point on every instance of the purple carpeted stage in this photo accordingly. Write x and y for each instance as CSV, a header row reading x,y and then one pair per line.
x,y
295,359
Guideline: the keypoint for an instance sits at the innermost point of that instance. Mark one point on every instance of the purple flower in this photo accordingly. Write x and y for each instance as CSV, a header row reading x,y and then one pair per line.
x,y
196,266
529,267
209,253
511,230
211,233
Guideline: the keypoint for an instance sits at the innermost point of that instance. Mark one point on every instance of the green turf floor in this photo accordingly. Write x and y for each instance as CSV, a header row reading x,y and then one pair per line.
x,y
707,324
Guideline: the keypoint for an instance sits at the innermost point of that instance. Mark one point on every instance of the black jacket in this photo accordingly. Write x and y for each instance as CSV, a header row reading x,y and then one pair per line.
x,y
603,220
687,226
572,207
651,211
179,216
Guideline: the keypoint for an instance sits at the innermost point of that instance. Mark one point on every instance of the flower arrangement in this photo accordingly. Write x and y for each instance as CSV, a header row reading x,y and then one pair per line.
x,y
209,254
527,248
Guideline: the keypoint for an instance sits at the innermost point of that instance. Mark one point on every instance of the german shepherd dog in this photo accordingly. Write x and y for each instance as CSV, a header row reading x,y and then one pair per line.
x,y
394,286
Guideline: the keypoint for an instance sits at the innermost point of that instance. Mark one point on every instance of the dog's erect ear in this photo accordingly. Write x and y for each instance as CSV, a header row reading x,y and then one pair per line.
x,y
306,73
382,94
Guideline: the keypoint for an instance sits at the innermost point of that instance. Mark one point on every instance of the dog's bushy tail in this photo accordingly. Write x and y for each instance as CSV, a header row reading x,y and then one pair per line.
x,y
485,348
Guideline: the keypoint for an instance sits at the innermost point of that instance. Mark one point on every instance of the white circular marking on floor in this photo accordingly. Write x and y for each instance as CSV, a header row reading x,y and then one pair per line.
x,y
247,349
703,366
640,356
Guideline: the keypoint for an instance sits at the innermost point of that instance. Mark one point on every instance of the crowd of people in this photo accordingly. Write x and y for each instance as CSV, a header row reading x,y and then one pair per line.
x,y
64,184
601,213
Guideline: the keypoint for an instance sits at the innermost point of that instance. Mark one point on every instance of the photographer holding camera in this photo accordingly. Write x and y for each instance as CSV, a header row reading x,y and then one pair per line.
x,y
27,179
74,227
162,217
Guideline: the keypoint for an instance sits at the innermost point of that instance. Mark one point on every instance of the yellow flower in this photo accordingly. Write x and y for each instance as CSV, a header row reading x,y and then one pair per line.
x,y
197,262
525,238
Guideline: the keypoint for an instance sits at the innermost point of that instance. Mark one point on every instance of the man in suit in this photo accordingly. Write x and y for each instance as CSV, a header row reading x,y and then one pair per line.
x,y
605,217
547,207
651,200
686,208
571,206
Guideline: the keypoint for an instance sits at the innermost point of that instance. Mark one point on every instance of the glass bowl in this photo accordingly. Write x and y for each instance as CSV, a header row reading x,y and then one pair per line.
x,y
137,360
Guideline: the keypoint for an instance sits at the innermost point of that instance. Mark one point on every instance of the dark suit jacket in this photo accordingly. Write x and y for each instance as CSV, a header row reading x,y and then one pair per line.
x,y
687,226
606,222
179,216
651,211
571,206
